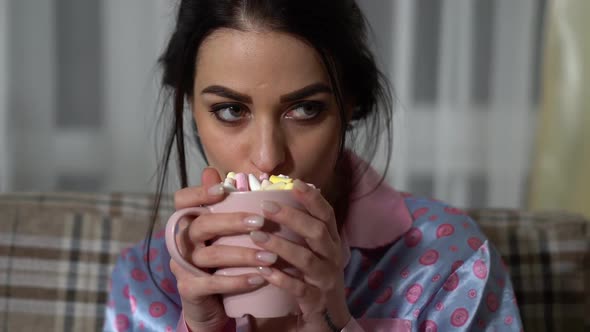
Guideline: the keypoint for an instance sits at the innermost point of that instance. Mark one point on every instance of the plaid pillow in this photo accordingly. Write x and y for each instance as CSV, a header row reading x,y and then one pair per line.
x,y
547,254
56,256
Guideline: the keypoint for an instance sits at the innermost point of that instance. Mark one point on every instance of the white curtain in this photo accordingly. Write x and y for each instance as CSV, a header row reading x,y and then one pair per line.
x,y
78,93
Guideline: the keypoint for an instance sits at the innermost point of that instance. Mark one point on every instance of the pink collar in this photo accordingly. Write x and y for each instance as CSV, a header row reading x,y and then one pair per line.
x,y
377,216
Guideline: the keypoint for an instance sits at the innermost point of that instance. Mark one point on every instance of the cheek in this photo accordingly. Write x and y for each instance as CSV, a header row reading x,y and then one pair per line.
x,y
315,157
220,154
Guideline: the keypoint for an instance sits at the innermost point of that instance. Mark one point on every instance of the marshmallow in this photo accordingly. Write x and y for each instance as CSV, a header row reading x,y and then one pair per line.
x,y
265,183
276,179
229,184
241,182
249,182
276,186
253,182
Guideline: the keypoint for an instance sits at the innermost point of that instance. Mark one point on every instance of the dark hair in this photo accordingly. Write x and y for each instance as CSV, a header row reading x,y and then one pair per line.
x,y
336,29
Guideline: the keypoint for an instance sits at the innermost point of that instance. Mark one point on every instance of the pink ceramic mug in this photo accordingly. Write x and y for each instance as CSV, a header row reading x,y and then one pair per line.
x,y
267,301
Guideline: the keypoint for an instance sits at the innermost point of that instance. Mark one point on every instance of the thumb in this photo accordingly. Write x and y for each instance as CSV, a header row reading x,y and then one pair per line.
x,y
210,177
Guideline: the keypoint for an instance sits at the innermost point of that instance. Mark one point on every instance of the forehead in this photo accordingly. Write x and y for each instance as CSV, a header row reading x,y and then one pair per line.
x,y
252,59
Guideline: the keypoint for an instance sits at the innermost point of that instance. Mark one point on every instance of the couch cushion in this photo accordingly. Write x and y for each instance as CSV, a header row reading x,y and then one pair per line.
x,y
56,255
547,254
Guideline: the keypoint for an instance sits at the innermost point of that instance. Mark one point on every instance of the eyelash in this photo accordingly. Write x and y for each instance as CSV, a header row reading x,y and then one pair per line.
x,y
218,108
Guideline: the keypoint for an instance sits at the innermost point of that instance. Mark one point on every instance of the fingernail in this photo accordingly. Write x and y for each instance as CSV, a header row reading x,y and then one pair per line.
x,y
300,186
216,190
266,256
255,280
265,270
270,207
258,236
254,221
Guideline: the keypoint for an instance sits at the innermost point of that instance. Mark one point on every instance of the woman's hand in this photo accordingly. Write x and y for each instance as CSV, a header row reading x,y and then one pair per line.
x,y
202,307
321,288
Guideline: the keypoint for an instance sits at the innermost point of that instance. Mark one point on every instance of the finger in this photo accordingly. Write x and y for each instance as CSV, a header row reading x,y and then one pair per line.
x,y
315,232
217,256
191,287
184,243
313,268
308,296
209,192
209,226
316,205
209,177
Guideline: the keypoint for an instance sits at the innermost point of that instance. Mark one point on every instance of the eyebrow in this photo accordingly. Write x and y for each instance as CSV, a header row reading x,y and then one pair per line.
x,y
227,93
305,92
302,93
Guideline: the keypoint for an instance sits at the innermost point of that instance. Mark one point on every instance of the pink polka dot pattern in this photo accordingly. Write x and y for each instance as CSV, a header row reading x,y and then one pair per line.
x,y
492,302
508,320
451,283
157,309
428,326
122,323
456,265
413,237
474,242
413,293
472,293
480,269
376,279
405,273
153,254
126,291
481,323
459,317
138,275
393,313
429,257
444,230
160,234
385,296
168,285
420,212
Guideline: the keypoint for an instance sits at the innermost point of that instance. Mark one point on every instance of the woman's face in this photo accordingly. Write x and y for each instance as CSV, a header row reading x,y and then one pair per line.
x,y
263,104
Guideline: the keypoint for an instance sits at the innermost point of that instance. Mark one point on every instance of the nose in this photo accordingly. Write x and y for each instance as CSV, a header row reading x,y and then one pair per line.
x,y
268,149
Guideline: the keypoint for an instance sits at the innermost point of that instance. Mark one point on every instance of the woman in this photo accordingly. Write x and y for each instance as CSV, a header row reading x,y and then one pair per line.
x,y
289,87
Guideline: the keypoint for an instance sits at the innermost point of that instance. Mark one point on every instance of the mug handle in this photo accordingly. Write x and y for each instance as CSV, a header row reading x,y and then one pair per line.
x,y
171,239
